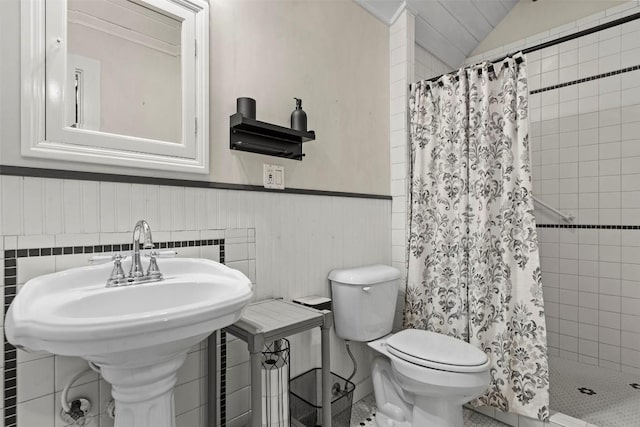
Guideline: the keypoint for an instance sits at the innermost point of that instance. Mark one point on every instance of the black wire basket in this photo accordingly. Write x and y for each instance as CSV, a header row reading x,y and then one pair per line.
x,y
305,392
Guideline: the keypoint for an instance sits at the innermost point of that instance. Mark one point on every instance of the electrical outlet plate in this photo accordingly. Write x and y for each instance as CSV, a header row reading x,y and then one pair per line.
x,y
273,176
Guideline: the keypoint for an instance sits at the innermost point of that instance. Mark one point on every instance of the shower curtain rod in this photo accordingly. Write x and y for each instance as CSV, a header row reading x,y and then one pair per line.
x,y
566,217
559,40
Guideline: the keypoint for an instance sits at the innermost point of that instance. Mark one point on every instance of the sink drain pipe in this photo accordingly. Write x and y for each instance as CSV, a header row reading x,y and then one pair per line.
x,y
78,409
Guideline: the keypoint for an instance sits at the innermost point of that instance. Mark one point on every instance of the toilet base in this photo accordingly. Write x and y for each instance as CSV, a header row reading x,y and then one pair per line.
x,y
398,408
384,421
432,412
429,412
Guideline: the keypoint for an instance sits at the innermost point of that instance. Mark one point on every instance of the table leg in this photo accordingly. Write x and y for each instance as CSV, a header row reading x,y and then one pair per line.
x,y
326,377
256,390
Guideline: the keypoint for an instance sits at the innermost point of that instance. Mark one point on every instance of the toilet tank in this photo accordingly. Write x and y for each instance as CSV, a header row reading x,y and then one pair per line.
x,y
364,301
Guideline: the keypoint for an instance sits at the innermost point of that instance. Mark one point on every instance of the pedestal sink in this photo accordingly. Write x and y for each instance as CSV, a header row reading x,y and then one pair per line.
x,y
138,335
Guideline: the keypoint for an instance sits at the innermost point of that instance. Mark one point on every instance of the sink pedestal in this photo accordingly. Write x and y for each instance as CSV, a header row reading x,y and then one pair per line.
x,y
144,395
139,335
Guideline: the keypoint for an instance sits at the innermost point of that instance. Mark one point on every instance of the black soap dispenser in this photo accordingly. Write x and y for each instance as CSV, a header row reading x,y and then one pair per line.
x,y
299,117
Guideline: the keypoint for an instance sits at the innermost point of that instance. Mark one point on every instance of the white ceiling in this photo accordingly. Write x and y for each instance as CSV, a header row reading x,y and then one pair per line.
x,y
449,29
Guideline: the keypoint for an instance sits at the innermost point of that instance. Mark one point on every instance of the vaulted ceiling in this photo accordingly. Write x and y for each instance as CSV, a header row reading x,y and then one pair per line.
x,y
449,29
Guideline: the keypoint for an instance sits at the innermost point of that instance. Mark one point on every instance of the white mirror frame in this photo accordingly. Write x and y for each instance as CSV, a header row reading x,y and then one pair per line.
x,y
48,136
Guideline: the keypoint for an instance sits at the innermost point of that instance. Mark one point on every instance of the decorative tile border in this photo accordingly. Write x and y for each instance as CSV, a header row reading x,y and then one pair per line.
x,y
10,354
591,226
586,79
10,287
222,395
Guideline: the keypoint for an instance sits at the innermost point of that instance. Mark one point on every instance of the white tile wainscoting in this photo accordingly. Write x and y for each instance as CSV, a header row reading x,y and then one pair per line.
x,y
285,243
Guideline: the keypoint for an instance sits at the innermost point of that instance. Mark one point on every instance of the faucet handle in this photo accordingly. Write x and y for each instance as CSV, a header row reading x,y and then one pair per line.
x,y
118,257
102,259
161,254
117,274
153,271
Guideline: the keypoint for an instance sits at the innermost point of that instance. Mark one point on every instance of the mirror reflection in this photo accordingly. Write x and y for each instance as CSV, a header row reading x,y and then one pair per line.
x,y
124,69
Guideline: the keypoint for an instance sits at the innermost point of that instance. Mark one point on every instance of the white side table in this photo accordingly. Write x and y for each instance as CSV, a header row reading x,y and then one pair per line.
x,y
269,320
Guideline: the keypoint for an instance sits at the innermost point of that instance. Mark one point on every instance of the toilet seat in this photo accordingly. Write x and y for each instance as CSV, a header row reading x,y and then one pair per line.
x,y
436,351
432,380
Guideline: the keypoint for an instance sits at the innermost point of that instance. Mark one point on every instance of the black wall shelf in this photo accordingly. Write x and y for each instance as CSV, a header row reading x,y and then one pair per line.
x,y
265,138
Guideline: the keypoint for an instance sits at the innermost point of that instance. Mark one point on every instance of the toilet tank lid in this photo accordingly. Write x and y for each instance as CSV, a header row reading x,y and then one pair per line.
x,y
367,275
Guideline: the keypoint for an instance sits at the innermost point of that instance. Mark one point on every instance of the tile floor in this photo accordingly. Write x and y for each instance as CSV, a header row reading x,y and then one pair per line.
x,y
599,396
363,414
595,395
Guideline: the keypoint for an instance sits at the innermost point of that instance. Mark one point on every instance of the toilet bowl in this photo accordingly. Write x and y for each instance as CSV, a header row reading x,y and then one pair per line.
x,y
432,391
420,378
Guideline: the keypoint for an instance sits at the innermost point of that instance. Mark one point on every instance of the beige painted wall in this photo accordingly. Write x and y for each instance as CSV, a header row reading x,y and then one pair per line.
x,y
332,54
528,18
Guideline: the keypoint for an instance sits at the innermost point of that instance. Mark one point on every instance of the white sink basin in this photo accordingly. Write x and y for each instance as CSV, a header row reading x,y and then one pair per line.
x,y
138,334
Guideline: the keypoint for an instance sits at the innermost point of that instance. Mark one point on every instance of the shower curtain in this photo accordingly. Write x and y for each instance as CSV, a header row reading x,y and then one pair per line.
x,y
473,265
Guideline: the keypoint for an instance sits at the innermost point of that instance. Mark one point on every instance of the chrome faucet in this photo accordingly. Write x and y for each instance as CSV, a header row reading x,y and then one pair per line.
x,y
141,232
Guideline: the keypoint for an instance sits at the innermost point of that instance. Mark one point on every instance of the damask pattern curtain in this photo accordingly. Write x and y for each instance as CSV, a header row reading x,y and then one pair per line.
x,y
473,269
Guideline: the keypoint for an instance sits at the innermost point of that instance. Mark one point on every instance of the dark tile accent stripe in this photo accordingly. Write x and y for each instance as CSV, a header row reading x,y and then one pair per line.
x,y
586,79
10,284
10,355
68,250
222,395
134,179
591,226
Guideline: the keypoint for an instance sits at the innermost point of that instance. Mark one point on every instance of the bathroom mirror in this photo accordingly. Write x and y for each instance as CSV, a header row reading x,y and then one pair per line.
x,y
116,82
139,93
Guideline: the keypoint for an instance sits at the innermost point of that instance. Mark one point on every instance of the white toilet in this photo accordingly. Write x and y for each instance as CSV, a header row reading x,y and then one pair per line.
x,y
419,378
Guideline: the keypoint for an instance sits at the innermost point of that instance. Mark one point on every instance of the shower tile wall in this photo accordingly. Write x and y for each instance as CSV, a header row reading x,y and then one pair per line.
x,y
265,235
427,65
409,62
593,303
401,57
585,139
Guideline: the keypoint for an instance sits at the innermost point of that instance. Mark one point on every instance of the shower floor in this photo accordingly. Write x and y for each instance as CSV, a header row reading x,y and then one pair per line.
x,y
600,396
